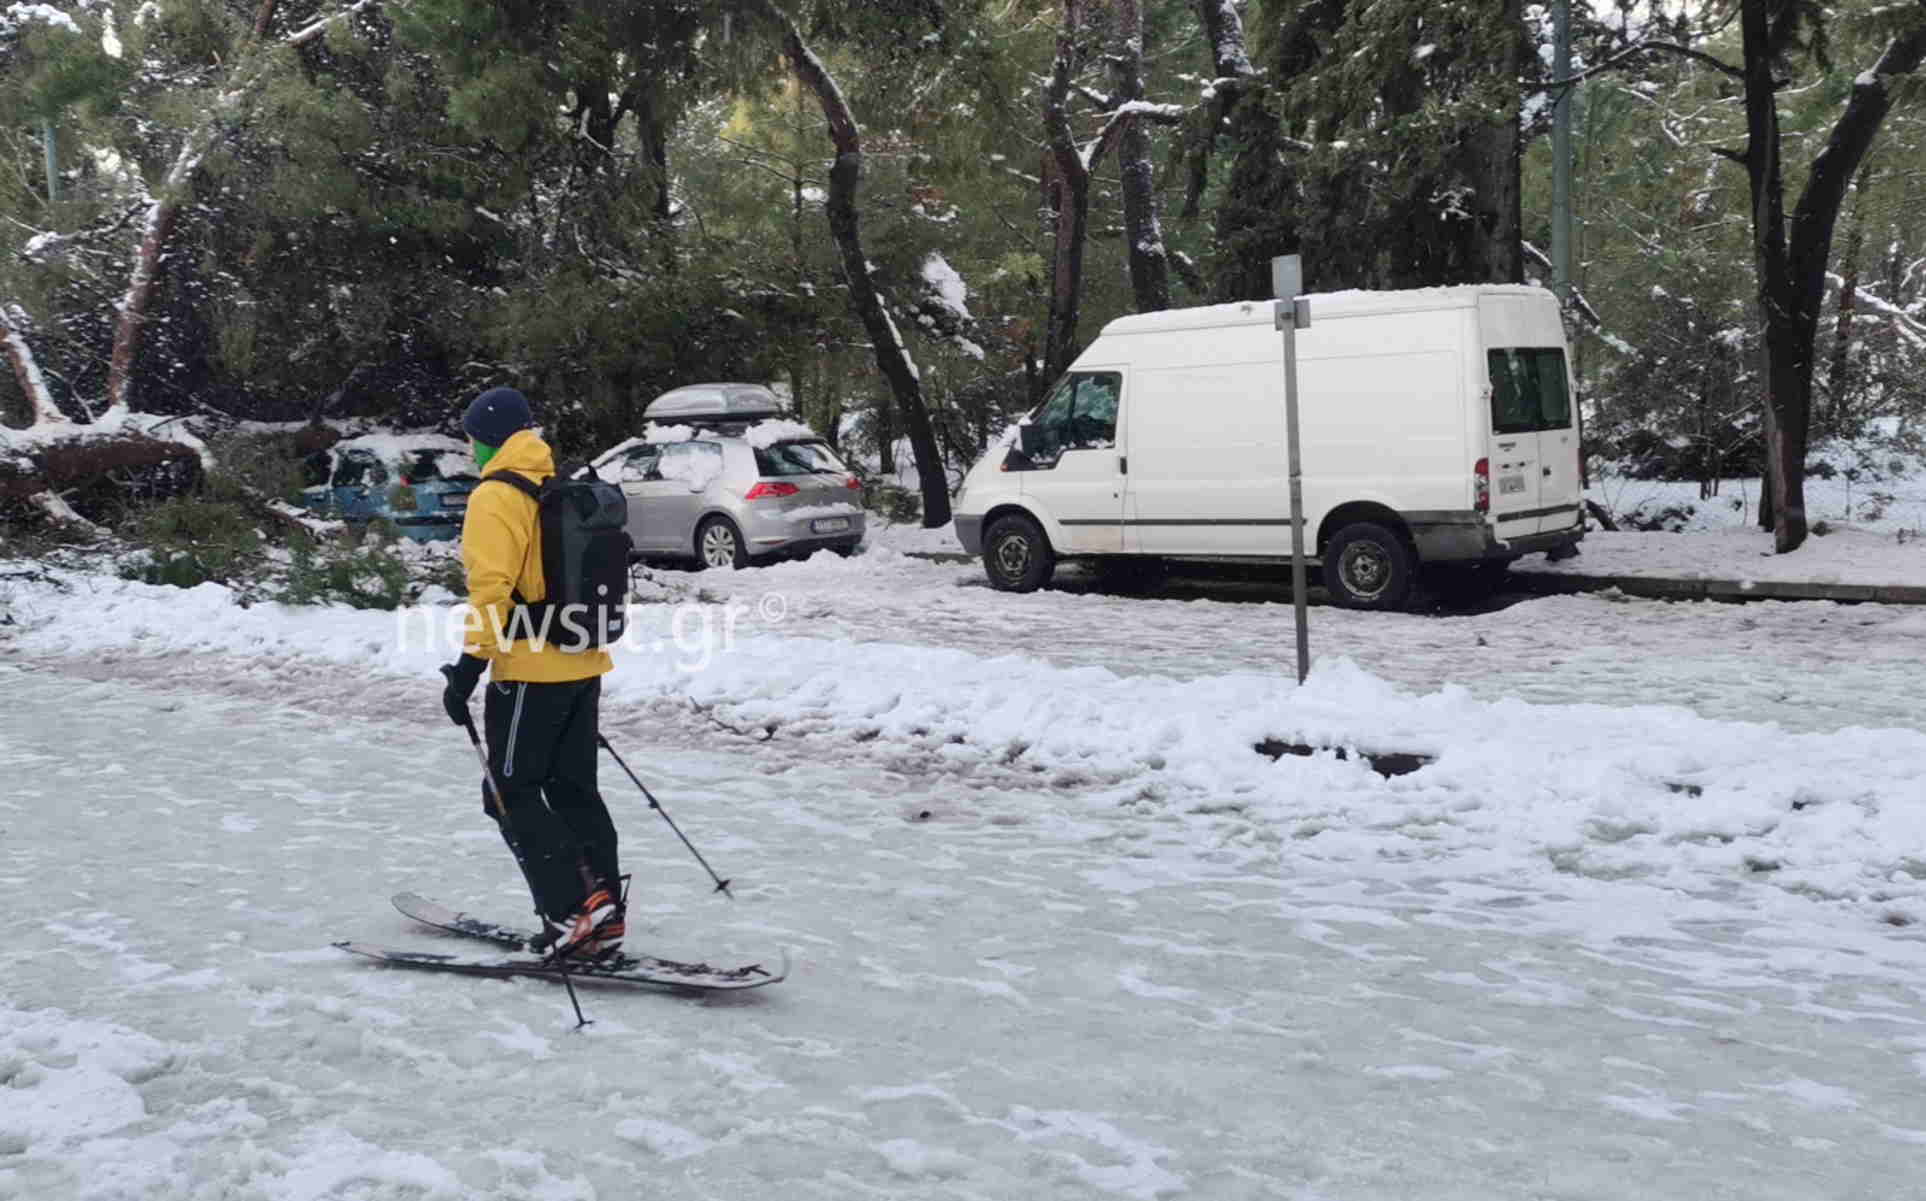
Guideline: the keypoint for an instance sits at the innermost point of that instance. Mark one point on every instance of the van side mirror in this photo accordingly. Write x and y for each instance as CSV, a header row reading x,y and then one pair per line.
x,y
1030,440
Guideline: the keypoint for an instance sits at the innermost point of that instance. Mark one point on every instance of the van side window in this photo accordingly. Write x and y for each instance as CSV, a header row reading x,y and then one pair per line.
x,y
1528,392
1079,414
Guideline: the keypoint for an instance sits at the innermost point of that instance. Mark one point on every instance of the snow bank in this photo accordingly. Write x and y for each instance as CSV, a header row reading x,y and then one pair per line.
x,y
1651,791
1850,556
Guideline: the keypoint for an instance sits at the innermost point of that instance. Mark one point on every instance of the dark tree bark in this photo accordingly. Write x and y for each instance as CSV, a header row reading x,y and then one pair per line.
x,y
1260,216
1066,187
1149,260
1234,83
1839,381
1497,251
1791,256
845,177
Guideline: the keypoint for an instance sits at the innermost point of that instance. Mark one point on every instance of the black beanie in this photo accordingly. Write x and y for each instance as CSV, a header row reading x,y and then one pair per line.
x,y
496,414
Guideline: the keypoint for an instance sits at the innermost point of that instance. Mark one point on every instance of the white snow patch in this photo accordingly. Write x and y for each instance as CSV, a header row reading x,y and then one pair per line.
x,y
947,285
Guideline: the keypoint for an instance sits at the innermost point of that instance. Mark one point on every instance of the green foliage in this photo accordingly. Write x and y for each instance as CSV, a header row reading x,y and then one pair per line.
x,y
366,573
191,540
894,504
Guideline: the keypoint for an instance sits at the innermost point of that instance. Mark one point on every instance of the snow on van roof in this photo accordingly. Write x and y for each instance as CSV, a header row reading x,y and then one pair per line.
x,y
1355,302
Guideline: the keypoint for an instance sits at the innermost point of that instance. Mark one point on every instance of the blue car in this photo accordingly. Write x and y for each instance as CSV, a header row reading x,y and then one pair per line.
x,y
420,482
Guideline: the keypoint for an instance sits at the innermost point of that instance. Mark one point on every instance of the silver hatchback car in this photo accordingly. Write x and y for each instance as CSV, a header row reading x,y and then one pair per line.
x,y
720,478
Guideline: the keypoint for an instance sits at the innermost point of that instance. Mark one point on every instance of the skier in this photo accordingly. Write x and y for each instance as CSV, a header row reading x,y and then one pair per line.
x,y
541,706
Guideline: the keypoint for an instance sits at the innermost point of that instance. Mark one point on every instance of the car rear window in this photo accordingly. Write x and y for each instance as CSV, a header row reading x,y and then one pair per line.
x,y
798,458
425,465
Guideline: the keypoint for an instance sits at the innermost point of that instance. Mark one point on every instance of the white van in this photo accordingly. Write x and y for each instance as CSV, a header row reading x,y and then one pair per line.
x,y
1436,428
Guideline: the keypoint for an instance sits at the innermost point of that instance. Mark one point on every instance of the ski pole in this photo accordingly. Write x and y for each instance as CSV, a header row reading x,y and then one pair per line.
x,y
488,773
722,886
501,813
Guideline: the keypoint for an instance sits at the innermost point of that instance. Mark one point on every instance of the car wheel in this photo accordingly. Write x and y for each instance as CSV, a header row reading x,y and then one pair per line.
x,y
1016,555
718,543
1367,566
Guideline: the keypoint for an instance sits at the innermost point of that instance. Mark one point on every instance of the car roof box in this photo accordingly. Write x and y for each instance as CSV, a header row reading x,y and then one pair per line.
x,y
695,404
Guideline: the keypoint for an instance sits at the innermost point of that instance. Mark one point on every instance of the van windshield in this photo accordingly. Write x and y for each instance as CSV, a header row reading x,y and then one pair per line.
x,y
798,458
1528,392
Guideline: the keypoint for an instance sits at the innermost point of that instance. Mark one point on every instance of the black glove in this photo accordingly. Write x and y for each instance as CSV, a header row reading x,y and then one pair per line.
x,y
463,675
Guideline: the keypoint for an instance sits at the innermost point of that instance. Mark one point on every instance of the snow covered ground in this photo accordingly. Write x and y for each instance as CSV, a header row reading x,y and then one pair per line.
x,y
1648,925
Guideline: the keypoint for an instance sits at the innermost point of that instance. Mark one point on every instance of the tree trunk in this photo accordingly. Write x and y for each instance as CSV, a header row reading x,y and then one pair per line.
x,y
1498,255
1792,266
1839,375
1149,261
1232,86
1066,184
892,357
886,438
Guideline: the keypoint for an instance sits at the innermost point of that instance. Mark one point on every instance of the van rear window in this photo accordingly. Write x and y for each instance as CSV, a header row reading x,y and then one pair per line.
x,y
1528,392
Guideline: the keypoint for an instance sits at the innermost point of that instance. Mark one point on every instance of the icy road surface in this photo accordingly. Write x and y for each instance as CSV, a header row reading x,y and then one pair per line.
x,y
1030,993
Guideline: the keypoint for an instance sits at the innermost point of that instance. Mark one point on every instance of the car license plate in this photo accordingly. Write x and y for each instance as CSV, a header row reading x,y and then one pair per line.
x,y
1507,484
458,501
829,525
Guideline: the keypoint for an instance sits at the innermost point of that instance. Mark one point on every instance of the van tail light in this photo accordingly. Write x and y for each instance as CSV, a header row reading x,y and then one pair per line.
x,y
853,484
1481,486
763,490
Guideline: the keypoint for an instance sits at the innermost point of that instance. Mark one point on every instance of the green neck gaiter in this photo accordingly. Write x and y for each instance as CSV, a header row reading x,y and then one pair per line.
x,y
483,453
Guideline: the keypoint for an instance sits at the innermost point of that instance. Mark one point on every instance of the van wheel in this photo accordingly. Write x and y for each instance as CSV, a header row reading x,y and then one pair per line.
x,y
1367,566
1016,555
718,543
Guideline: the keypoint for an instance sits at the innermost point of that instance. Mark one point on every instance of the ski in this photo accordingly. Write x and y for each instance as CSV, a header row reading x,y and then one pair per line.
x,y
433,913
627,969
635,969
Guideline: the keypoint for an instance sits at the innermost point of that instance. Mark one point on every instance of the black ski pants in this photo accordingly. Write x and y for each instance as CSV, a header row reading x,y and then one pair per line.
x,y
541,746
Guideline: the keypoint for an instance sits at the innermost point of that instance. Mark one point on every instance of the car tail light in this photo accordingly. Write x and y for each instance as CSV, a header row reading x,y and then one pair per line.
x,y
762,490
853,484
1481,486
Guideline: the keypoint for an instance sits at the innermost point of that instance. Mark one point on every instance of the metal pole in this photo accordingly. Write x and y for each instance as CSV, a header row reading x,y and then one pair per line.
x,y
1298,581
1293,312
51,150
1561,230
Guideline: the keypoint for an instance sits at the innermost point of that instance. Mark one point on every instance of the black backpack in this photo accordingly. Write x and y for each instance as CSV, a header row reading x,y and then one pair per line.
x,y
585,559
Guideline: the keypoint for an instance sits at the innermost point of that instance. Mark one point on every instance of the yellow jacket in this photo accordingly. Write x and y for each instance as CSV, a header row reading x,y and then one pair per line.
x,y
501,548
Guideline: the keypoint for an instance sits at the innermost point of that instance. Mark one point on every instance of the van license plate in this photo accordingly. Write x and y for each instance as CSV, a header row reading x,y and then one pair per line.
x,y
1507,484
829,525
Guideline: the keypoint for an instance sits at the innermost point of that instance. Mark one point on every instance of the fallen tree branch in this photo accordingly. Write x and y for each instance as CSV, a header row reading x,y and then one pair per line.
x,y
13,323
50,503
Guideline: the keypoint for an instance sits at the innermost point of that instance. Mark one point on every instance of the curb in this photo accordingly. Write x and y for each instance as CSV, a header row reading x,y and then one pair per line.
x,y
1562,583
1553,583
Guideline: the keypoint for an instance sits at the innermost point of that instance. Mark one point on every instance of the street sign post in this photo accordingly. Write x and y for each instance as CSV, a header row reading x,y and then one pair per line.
x,y
1292,313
